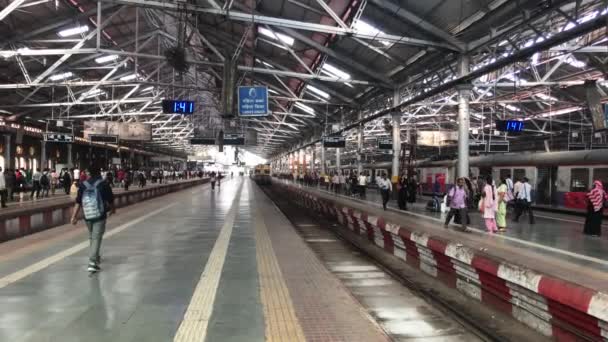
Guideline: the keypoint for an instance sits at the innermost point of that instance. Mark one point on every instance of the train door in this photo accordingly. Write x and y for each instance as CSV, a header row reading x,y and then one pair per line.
x,y
546,186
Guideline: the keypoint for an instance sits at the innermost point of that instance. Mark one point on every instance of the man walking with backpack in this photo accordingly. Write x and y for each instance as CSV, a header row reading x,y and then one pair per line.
x,y
96,199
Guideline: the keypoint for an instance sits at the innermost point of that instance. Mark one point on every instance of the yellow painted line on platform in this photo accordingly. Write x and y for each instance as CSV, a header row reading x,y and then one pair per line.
x,y
196,318
281,321
44,263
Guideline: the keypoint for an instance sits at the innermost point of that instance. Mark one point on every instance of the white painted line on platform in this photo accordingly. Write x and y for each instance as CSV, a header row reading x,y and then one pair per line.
x,y
483,232
44,263
196,318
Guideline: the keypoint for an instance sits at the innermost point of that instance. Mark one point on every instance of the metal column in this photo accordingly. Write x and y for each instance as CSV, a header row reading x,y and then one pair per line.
x,y
323,164
464,92
8,160
43,163
396,137
70,162
360,146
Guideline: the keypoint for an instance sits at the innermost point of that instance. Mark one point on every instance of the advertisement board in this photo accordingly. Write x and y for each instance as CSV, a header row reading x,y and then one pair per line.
x,y
124,130
436,138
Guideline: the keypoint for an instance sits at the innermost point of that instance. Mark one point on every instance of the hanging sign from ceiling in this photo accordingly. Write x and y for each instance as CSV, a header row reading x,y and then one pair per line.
x,y
385,143
253,101
334,142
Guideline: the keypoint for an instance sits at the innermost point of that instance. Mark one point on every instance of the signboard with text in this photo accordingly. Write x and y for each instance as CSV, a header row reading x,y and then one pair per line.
x,y
335,142
253,101
59,137
385,144
234,139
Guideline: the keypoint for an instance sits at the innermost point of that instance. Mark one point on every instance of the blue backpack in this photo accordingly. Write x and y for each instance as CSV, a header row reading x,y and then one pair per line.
x,y
92,202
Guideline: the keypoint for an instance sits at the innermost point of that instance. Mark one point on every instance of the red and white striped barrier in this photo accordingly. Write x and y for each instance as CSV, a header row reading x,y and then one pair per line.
x,y
555,307
28,221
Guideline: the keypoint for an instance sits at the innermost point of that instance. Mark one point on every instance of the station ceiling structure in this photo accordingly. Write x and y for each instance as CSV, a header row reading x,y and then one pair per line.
x,y
330,66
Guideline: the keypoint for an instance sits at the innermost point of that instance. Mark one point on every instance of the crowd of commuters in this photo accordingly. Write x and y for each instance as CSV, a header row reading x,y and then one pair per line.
x,y
494,200
21,184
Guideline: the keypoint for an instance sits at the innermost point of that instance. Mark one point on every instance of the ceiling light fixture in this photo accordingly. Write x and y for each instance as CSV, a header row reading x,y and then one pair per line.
x,y
73,31
62,76
128,77
318,91
276,36
105,59
305,108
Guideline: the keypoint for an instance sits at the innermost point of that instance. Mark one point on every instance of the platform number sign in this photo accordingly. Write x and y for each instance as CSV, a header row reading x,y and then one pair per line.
x,y
385,144
59,137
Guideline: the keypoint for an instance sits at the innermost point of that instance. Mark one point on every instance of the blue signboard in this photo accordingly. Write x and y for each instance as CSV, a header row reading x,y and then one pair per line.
x,y
253,101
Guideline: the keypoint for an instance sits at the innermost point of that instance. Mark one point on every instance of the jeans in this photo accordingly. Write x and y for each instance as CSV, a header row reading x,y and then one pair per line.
x,y
35,189
96,231
522,206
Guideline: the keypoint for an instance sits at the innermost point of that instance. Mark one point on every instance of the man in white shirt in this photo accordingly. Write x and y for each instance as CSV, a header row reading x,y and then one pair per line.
x,y
36,184
362,184
523,195
3,192
385,189
335,180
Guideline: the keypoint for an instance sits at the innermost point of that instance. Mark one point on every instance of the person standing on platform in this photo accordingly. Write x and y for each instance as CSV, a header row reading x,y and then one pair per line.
x,y
362,184
67,182
96,200
386,187
457,200
45,183
213,180
219,180
412,186
9,176
54,181
36,184
596,200
501,213
335,180
3,192
489,205
524,201
342,180
402,201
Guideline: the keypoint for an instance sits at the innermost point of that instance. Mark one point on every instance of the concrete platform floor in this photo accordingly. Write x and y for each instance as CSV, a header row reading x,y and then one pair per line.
x,y
195,265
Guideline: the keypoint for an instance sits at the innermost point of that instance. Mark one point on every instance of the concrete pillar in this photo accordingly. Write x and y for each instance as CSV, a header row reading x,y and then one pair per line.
x,y
8,158
396,137
360,146
312,158
464,92
43,158
70,161
338,164
323,164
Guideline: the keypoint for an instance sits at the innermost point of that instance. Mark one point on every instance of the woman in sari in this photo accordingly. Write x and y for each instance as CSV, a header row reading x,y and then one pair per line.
x,y
595,206
501,213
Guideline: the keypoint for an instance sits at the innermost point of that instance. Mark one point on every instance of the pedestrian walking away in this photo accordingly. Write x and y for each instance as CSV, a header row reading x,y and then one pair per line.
x,y
96,200
457,201
597,200
524,201
213,179
386,187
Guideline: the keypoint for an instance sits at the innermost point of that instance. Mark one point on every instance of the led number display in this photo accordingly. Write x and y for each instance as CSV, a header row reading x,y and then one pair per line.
x,y
178,107
512,126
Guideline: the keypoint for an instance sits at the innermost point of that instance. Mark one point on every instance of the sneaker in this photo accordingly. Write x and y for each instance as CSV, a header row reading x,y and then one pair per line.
x,y
93,267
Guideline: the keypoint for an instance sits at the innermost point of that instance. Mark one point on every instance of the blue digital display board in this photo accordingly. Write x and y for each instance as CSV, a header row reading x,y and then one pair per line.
x,y
178,107
253,101
512,126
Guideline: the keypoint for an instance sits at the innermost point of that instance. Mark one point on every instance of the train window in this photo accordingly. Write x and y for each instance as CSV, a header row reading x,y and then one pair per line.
x,y
504,173
579,180
518,174
602,175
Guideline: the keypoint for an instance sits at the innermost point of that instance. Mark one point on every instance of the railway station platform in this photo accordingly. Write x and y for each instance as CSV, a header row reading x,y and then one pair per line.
x,y
194,265
548,275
